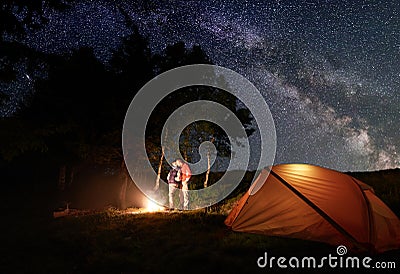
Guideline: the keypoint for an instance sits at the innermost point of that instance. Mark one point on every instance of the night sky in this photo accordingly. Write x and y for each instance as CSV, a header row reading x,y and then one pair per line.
x,y
329,70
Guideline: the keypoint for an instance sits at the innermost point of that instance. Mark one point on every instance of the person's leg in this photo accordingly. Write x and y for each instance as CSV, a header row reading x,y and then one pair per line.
x,y
185,194
171,192
181,199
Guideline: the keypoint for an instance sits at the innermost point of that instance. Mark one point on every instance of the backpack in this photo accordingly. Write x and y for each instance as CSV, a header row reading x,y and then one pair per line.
x,y
172,174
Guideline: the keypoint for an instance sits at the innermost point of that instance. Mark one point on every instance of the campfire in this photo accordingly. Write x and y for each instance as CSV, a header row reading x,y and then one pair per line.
x,y
152,206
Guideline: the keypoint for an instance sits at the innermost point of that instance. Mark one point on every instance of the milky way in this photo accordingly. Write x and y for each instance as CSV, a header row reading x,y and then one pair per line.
x,y
329,70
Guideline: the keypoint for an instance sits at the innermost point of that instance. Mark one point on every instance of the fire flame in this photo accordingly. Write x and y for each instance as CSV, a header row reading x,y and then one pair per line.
x,y
152,206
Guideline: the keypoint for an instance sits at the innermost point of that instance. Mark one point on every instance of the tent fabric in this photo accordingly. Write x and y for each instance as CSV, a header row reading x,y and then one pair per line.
x,y
314,203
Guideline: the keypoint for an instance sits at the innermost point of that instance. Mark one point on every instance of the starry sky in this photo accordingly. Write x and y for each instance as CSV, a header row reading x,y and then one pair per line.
x,y
329,70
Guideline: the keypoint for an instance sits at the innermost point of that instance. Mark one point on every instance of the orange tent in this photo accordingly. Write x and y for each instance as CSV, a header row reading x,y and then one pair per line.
x,y
315,203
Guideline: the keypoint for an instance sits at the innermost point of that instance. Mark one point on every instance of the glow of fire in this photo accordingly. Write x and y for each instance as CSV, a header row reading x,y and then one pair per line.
x,y
152,206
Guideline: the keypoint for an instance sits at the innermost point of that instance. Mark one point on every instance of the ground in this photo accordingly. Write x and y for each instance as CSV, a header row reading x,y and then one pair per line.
x,y
113,241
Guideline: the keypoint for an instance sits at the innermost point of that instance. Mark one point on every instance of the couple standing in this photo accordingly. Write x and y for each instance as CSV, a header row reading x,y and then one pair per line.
x,y
178,179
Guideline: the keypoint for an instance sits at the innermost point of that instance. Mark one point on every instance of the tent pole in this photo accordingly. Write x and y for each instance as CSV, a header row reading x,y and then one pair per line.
x,y
318,210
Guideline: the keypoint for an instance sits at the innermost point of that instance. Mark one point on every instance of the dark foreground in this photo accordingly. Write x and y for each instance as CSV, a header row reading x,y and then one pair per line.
x,y
115,242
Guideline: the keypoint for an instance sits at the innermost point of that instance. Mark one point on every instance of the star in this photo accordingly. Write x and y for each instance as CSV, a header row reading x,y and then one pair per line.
x,y
328,70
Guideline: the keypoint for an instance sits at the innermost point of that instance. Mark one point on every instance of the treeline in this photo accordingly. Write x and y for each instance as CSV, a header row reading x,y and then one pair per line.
x,y
72,121
386,184
70,125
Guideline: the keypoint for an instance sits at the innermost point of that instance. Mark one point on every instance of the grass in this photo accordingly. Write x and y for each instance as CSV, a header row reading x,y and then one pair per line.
x,y
115,242
112,241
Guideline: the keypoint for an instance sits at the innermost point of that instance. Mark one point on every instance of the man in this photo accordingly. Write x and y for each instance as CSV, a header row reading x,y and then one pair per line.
x,y
186,173
174,184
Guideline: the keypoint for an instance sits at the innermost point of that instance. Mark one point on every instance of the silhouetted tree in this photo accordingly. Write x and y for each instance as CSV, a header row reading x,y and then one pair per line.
x,y
78,99
76,112
198,132
17,16
132,67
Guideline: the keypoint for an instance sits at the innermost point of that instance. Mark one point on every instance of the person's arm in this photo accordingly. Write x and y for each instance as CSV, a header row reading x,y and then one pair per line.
x,y
188,174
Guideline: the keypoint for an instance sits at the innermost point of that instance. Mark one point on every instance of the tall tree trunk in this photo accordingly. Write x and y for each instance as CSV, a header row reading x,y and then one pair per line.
x,y
186,145
208,170
159,170
206,209
124,186
71,176
208,164
122,194
61,178
157,186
